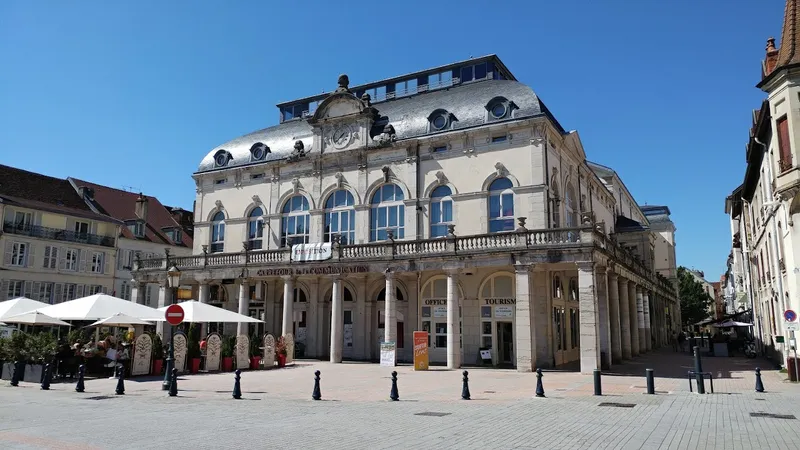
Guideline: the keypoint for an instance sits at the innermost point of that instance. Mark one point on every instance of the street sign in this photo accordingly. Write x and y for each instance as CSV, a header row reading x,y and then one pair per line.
x,y
174,315
792,326
789,315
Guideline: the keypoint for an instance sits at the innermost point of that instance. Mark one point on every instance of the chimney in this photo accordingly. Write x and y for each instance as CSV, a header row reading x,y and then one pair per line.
x,y
141,207
772,57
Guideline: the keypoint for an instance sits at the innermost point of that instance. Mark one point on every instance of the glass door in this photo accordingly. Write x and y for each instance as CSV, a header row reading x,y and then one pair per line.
x,y
559,335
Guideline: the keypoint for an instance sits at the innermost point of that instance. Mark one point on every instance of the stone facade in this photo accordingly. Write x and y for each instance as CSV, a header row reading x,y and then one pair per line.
x,y
467,212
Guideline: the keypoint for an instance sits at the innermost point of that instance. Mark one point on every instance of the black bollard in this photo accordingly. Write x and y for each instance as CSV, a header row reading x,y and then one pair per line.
x,y
651,383
46,378
759,383
698,372
15,375
120,382
394,395
465,387
316,395
173,384
539,387
80,386
237,386
598,388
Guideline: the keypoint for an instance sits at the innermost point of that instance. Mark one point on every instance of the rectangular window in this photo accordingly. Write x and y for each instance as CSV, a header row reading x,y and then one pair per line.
x,y
71,259
441,334
97,262
221,181
784,144
14,289
440,80
486,335
95,289
22,220
50,257
406,87
70,292
46,293
497,139
480,71
257,176
439,149
82,227
19,254
467,74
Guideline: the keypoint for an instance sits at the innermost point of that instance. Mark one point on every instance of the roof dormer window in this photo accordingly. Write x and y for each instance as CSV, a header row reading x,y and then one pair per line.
x,y
174,235
136,227
221,158
259,151
500,108
440,120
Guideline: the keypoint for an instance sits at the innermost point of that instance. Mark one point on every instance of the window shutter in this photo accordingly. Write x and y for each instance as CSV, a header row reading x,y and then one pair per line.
x,y
784,143
37,286
31,256
62,261
47,253
58,293
4,290
28,290
82,260
106,263
9,251
121,259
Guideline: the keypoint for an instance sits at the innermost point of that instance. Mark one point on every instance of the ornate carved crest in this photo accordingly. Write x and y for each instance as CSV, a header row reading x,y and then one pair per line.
x,y
339,179
269,351
440,177
288,339
298,152
296,185
213,352
256,199
386,173
500,169
180,351
142,354
242,351
218,204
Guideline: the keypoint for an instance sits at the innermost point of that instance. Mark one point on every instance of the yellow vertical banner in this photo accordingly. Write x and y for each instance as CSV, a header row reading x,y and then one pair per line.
x,y
420,350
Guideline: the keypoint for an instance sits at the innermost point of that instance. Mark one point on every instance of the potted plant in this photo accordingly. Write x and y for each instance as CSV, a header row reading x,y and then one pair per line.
x,y
193,352
228,344
158,354
255,352
17,352
41,349
6,363
280,352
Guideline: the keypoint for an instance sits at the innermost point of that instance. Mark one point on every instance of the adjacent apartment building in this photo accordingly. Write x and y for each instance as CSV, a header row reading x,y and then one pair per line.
x,y
764,209
148,229
55,248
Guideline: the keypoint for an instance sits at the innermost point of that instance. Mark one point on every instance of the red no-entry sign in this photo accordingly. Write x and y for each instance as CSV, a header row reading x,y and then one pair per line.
x,y
174,315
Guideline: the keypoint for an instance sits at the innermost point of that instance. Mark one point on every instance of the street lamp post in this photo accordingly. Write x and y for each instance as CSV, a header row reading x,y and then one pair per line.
x,y
174,278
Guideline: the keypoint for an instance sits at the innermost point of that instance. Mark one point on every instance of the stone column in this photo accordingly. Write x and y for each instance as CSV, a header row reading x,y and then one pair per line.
x,y
523,337
202,295
390,314
288,306
453,335
604,322
164,299
137,292
613,317
624,318
244,303
634,319
541,318
337,321
589,318
640,319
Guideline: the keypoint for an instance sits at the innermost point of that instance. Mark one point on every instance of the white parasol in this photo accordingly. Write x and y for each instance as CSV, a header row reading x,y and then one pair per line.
x,y
35,318
120,320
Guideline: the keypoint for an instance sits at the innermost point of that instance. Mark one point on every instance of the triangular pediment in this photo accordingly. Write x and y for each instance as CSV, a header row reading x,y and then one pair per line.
x,y
340,104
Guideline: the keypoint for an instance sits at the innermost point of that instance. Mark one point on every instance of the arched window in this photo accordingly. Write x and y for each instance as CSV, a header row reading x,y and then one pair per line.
x,y
556,286
501,206
569,207
255,229
340,217
388,213
300,296
382,295
218,233
441,212
556,205
295,220
573,289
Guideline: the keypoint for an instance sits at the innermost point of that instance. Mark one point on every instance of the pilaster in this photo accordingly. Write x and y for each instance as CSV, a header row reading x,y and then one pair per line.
x,y
634,318
589,318
604,324
614,317
523,330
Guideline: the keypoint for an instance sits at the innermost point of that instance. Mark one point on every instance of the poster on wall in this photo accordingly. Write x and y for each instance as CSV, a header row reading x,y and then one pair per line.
x,y
503,311
348,335
388,354
312,252
420,350
440,311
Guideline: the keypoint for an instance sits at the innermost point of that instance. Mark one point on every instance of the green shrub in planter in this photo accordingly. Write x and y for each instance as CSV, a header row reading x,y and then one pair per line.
x,y
228,344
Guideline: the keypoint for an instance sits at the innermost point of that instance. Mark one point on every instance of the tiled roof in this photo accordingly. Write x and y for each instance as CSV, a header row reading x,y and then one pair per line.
x,y
122,206
41,192
788,53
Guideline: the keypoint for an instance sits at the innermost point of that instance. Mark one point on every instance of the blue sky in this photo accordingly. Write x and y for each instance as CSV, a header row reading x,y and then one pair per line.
x,y
134,94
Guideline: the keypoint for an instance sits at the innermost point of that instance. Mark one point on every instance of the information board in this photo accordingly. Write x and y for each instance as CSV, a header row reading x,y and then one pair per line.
x,y
388,354
420,350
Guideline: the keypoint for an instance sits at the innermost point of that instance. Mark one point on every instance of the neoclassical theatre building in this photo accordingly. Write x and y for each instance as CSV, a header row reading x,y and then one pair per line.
x,y
448,200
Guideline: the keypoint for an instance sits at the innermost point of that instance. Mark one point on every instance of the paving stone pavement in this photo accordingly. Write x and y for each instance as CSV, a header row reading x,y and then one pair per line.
x,y
277,410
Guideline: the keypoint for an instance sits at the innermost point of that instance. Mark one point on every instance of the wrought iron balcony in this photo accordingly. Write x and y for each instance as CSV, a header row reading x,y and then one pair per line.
x,y
57,234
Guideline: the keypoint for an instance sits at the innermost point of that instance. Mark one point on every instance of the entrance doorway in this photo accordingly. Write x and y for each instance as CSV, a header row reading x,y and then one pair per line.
x,y
505,343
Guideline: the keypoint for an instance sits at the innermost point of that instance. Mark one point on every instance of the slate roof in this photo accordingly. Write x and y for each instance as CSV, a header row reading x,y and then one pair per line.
x,y
656,213
41,192
408,115
122,206
624,224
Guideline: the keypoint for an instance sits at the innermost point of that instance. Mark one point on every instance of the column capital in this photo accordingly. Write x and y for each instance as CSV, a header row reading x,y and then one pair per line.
x,y
585,265
523,268
389,273
613,276
452,272
624,281
600,269
288,278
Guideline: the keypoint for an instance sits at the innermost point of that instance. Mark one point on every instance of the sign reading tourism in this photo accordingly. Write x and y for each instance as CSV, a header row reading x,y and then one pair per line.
x,y
420,350
174,315
789,315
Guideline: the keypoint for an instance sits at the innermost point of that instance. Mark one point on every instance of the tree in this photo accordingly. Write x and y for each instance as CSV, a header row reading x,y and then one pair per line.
x,y
694,299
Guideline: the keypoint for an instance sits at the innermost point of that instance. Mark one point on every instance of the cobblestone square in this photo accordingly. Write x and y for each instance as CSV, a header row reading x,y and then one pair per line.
x,y
277,410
